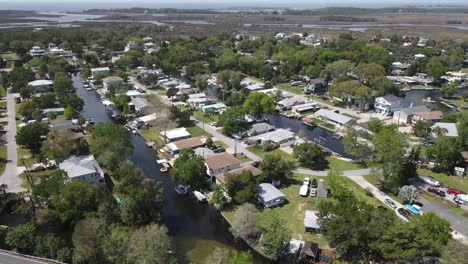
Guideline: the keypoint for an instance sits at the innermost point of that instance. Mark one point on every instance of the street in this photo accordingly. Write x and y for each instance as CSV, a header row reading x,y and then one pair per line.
x,y
10,176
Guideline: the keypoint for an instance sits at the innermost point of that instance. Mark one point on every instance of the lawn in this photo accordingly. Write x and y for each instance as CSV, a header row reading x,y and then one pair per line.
x,y
196,131
448,180
290,88
221,144
242,157
36,176
359,192
3,158
152,135
25,154
205,117
3,92
333,162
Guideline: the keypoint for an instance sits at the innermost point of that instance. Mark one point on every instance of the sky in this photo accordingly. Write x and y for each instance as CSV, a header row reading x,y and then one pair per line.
x,y
72,5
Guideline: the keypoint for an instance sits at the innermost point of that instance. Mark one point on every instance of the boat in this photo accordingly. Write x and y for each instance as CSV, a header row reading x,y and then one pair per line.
x,y
309,124
428,100
337,136
89,89
181,189
165,167
150,144
200,196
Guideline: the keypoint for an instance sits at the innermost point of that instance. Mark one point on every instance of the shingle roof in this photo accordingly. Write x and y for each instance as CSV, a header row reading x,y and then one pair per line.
x,y
430,115
340,119
221,160
311,219
112,79
81,165
392,98
188,143
248,167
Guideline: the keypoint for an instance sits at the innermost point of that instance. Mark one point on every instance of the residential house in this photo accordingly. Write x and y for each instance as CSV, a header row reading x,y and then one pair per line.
x,y
175,134
460,77
388,104
10,58
447,129
419,56
214,108
112,81
269,196
221,163
310,253
304,108
197,102
399,68
41,86
404,115
259,128
429,116
175,147
57,52
141,105
311,223
422,42
221,178
287,103
102,71
204,152
83,168
37,51
144,120
279,136
61,125
335,118
132,45
55,111
317,86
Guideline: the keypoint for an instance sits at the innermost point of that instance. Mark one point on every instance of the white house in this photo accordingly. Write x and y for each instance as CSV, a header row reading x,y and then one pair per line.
x,y
335,118
83,168
269,196
175,134
311,223
40,86
450,128
221,163
405,115
279,136
214,108
303,108
57,52
37,51
102,71
388,104
112,81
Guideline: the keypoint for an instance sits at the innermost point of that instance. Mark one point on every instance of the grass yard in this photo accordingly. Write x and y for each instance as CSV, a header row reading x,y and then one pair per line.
x,y
25,154
243,158
205,117
151,135
3,92
196,131
218,143
359,192
333,162
36,176
3,158
290,88
448,180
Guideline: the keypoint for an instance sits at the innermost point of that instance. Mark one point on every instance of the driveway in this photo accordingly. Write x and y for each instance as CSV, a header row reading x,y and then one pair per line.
x,y
10,176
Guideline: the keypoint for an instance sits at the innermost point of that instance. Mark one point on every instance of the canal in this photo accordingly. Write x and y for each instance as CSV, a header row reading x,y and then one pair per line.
x,y
196,228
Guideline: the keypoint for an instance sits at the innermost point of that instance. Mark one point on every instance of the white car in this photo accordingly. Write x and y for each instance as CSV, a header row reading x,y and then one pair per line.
x,y
306,181
313,192
429,180
304,190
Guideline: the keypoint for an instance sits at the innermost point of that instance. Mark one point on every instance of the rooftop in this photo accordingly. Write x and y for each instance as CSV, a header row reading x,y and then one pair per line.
x,y
451,128
186,143
176,133
392,98
311,219
82,165
41,82
268,192
221,160
247,167
414,109
430,115
335,117
278,135
113,79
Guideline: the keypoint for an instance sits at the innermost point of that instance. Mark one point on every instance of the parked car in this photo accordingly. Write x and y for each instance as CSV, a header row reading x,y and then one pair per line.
x,y
306,181
314,183
413,209
303,190
405,213
219,150
256,164
454,192
429,180
214,124
436,191
390,203
313,192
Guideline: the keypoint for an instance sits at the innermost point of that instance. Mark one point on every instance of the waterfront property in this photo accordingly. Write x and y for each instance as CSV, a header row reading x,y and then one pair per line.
x,y
335,118
269,196
101,72
316,86
429,116
214,108
304,108
83,168
404,115
141,105
386,105
37,51
175,134
287,103
112,81
259,128
221,163
221,178
279,136
175,147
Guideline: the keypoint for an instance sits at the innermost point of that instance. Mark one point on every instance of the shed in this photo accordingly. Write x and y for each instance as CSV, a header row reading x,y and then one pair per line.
x,y
311,223
269,195
310,252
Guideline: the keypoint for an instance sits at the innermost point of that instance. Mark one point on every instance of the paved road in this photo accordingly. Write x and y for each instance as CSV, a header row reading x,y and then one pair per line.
x,y
13,259
10,176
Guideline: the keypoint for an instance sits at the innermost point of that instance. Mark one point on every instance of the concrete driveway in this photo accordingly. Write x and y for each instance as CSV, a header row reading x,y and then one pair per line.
x,y
10,176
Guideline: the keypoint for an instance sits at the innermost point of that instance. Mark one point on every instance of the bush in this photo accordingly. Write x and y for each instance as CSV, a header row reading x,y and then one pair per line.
x,y
269,146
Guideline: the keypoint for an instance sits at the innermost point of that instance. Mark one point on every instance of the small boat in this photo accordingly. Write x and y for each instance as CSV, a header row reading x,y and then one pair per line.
x,y
89,89
337,136
165,167
181,189
200,196
428,100
309,124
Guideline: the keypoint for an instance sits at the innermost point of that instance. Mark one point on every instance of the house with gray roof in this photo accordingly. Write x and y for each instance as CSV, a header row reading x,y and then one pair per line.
x,y
83,168
269,196
141,105
279,136
259,128
404,115
335,118
388,104
311,223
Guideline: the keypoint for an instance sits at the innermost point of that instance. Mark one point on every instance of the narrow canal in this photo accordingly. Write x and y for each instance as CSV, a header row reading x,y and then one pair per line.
x,y
196,228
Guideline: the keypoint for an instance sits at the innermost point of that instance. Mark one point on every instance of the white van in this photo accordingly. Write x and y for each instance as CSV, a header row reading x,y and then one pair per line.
x,y
304,190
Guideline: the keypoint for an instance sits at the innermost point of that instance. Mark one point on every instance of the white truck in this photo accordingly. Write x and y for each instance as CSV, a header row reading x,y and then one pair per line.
x,y
461,199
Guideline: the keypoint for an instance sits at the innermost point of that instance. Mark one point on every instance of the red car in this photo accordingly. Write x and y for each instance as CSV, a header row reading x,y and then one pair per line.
x,y
454,192
436,191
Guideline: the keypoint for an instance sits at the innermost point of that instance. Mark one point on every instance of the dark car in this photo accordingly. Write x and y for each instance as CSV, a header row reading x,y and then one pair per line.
x,y
454,191
314,183
436,191
219,150
255,164
405,213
